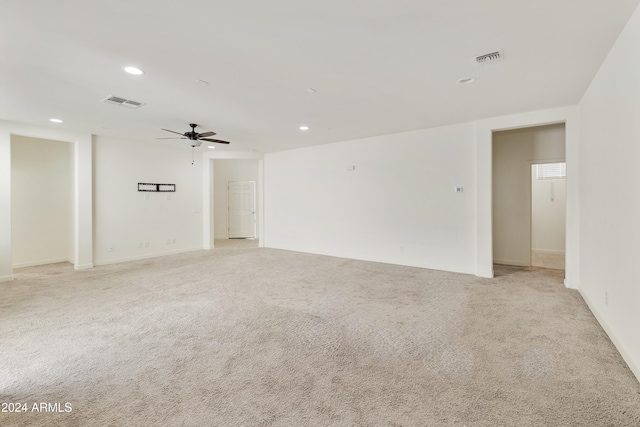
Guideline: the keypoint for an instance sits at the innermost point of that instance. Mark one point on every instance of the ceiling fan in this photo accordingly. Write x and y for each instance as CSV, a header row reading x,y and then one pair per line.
x,y
194,137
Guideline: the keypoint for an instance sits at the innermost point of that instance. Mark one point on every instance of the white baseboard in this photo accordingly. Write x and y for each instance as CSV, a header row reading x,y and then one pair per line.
x,y
382,260
6,278
633,364
571,285
548,251
82,266
146,256
40,262
512,262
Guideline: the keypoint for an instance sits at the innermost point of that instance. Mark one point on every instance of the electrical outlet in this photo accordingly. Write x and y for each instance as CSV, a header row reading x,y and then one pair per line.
x,y
173,241
168,241
146,244
140,245
112,248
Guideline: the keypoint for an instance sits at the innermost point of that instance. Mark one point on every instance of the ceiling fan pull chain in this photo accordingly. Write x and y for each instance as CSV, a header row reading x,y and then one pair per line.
x,y
192,156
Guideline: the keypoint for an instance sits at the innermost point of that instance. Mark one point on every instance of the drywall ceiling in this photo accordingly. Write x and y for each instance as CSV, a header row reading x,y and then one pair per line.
x,y
377,66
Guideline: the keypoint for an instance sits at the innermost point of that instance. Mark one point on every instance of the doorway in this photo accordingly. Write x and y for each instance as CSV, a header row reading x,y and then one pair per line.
x,y
241,205
548,214
514,151
42,219
225,172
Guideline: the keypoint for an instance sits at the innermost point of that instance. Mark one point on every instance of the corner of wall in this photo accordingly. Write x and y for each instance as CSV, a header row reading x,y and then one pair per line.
x,y
633,364
5,203
571,284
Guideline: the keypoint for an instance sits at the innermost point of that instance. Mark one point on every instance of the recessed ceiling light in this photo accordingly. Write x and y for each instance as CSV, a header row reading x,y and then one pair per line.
x,y
211,146
304,127
133,70
466,80
55,120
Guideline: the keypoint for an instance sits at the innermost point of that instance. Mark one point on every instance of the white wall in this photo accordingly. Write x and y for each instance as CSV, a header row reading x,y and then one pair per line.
x,y
609,196
513,153
225,171
548,214
123,218
41,196
399,205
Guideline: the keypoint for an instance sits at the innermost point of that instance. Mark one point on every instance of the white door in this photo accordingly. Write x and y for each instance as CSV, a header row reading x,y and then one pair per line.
x,y
242,209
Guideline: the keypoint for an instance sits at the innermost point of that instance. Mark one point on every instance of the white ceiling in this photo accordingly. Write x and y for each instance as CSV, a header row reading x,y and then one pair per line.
x,y
378,66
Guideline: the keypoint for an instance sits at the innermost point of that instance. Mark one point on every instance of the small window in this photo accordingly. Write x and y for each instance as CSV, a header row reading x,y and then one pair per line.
x,y
551,171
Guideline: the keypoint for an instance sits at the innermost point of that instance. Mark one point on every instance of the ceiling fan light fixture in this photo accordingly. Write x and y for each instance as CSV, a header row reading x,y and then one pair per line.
x,y
195,138
133,70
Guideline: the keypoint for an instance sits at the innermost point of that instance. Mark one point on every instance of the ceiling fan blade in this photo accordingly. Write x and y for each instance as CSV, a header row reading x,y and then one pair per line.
x,y
204,134
172,138
219,141
172,131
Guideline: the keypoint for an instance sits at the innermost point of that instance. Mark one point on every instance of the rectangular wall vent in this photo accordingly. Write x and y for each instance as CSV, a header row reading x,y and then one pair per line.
x,y
487,58
116,100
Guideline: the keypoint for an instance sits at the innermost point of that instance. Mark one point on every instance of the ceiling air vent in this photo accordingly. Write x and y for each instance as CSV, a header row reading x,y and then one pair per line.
x,y
116,100
487,58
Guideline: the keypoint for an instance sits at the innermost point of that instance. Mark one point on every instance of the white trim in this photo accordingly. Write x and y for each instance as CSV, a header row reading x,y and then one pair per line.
x,y
346,254
511,262
146,256
41,262
548,251
260,202
633,364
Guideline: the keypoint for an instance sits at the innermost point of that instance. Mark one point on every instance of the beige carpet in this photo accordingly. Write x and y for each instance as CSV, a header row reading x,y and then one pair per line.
x,y
262,337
